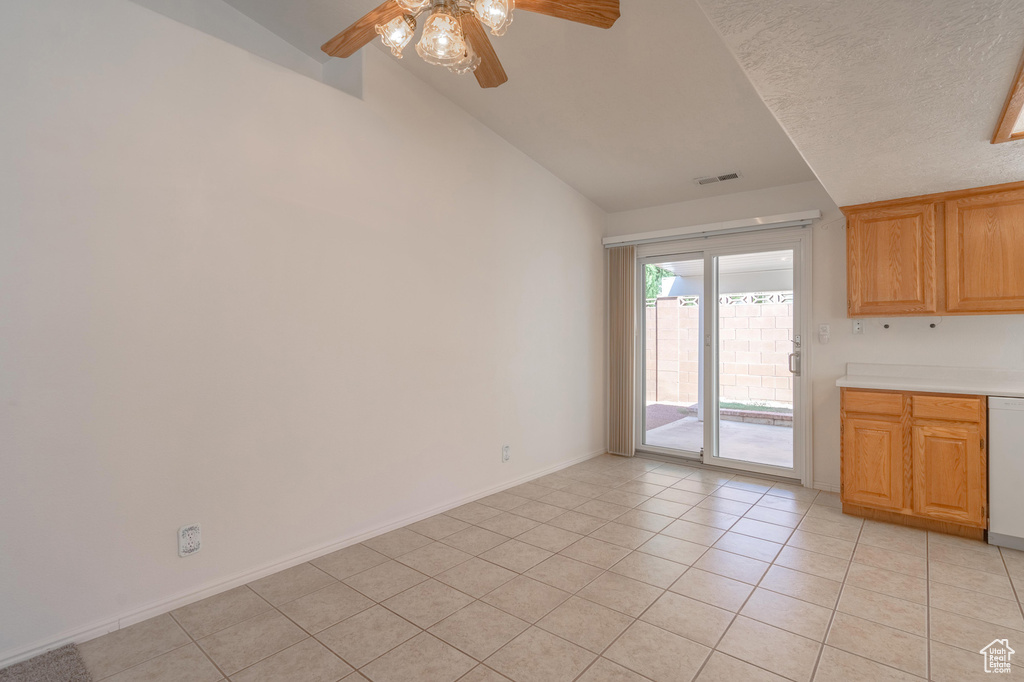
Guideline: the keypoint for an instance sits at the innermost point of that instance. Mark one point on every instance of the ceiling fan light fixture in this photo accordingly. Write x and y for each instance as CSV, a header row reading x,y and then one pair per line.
x,y
442,42
455,32
397,33
495,14
413,6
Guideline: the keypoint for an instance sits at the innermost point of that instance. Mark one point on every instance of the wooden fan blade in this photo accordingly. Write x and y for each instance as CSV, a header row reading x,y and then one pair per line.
x,y
490,73
348,42
600,13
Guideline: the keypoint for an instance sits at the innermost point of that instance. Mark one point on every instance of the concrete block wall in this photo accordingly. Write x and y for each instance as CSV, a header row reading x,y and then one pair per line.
x,y
756,343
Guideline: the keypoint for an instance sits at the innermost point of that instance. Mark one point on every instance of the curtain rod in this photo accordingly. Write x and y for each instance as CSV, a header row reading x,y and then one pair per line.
x,y
713,229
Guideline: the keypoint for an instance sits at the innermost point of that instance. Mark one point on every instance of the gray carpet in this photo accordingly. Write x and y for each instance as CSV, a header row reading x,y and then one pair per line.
x,y
60,665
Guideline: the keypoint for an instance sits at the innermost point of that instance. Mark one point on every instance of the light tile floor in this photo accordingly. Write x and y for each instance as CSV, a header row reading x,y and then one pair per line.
x,y
615,570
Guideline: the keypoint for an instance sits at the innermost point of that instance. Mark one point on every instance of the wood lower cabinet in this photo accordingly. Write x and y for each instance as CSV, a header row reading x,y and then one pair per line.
x,y
873,473
915,458
949,473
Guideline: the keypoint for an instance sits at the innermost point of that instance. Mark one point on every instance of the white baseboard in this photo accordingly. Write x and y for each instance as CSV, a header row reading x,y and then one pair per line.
x,y
828,487
159,607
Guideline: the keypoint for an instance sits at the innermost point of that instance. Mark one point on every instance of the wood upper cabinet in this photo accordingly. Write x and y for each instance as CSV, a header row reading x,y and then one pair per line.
x,y
891,261
985,253
955,253
873,462
915,456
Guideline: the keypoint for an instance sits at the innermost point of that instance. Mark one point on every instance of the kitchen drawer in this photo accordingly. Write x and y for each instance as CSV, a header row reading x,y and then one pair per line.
x,y
873,402
948,408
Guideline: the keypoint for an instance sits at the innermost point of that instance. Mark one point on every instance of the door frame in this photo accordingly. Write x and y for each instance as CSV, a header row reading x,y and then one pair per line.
x,y
800,240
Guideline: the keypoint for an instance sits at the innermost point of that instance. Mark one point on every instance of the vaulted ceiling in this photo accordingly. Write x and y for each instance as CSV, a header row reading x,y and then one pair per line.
x,y
882,98
628,116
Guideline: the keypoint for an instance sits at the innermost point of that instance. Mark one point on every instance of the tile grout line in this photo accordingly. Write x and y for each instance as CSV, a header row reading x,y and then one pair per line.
x,y
280,613
475,599
664,590
843,582
636,619
375,603
928,606
196,642
148,660
835,607
836,611
1013,586
600,654
304,630
736,615
421,630
192,640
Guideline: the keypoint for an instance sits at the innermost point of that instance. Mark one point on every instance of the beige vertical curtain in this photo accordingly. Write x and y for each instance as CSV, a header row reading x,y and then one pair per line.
x,y
622,334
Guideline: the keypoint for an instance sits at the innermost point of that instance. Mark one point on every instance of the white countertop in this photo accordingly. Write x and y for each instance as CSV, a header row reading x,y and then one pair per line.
x,y
975,381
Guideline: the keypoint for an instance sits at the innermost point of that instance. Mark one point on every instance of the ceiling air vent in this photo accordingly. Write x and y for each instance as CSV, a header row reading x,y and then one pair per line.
x,y
711,179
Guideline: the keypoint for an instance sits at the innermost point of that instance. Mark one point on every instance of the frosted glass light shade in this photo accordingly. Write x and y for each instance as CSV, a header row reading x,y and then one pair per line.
x,y
495,14
397,33
467,64
413,6
442,42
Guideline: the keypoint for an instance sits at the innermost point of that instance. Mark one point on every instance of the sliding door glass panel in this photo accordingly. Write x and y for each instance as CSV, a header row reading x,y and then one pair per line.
x,y
755,362
673,355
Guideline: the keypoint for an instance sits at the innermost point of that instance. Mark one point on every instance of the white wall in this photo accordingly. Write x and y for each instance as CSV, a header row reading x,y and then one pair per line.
x,y
968,341
199,317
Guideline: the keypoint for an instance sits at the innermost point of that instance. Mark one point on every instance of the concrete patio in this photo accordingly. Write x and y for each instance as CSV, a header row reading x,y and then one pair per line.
x,y
758,443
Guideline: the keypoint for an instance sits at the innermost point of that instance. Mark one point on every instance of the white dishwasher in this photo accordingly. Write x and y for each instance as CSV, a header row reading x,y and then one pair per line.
x,y
1006,472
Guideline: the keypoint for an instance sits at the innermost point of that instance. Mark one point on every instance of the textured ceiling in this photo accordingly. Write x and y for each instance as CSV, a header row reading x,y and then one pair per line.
x,y
628,116
884,98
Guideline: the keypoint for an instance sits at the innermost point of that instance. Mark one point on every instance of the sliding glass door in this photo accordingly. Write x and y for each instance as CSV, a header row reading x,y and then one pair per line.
x,y
720,353
757,360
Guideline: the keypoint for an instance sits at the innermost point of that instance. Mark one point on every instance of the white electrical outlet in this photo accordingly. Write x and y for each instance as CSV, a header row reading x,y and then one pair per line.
x,y
189,539
858,326
824,333
506,453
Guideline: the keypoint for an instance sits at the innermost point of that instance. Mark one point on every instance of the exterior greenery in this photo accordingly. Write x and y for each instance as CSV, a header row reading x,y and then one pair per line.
x,y
653,274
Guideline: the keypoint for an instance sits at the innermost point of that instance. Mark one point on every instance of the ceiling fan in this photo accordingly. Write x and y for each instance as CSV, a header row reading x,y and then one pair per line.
x,y
454,35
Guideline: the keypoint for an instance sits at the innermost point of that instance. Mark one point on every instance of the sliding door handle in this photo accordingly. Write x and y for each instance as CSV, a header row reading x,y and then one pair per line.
x,y
794,363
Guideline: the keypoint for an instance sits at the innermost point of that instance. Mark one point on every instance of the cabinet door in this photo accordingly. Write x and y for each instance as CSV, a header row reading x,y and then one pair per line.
x,y
873,462
984,252
891,261
949,473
